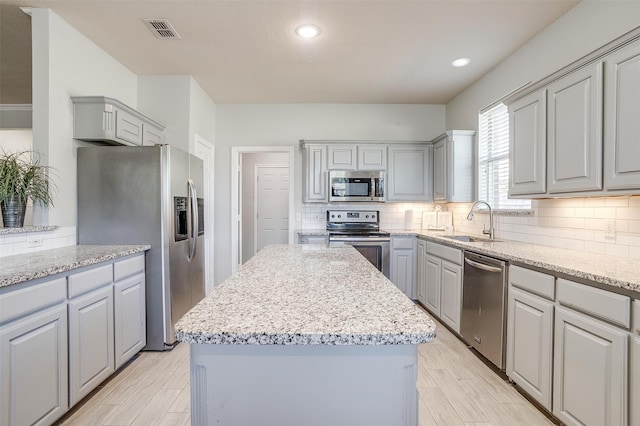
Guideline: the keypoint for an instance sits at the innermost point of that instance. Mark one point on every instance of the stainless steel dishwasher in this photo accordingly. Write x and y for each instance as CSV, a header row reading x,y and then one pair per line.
x,y
484,298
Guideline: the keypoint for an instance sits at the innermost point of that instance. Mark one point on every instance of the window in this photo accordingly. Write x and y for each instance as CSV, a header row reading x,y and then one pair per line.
x,y
493,160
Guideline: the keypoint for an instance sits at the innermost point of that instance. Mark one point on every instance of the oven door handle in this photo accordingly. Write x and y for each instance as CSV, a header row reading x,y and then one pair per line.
x,y
359,240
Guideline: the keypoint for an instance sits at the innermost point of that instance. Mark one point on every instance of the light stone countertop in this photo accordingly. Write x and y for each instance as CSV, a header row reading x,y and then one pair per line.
x,y
609,271
306,295
30,266
27,229
313,232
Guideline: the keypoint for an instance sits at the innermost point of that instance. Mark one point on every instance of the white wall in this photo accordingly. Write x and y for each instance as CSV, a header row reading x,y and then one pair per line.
x,y
286,124
65,64
202,115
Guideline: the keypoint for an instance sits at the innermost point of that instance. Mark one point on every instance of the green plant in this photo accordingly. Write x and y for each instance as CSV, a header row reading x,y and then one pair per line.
x,y
23,178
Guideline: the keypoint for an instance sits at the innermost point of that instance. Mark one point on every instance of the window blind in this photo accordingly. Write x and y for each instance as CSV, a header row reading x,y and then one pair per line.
x,y
493,159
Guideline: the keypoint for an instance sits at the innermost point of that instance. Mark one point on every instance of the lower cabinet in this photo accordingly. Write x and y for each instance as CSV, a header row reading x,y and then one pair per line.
x,y
33,368
442,282
313,239
91,356
530,344
130,326
403,263
590,371
421,271
634,385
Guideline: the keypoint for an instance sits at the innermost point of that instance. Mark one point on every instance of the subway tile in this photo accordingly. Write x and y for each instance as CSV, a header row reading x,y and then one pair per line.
x,y
594,202
634,201
628,239
6,250
616,201
574,244
622,225
566,212
616,250
594,247
584,234
634,226
634,253
605,212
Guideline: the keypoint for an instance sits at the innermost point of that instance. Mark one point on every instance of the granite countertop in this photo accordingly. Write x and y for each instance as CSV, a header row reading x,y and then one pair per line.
x,y
306,295
27,229
608,270
313,232
29,266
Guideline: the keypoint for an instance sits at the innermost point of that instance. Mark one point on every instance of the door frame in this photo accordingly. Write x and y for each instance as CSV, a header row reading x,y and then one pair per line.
x,y
209,211
236,200
255,200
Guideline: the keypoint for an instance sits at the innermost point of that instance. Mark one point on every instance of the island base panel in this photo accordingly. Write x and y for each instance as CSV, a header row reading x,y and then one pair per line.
x,y
304,385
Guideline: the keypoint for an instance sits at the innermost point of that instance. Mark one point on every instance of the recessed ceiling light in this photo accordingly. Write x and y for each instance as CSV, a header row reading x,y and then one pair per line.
x,y
461,62
308,31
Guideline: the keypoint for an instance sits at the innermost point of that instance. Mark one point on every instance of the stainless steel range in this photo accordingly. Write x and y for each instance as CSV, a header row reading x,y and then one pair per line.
x,y
361,229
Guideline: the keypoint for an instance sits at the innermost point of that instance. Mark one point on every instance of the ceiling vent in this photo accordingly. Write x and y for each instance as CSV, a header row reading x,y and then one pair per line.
x,y
162,28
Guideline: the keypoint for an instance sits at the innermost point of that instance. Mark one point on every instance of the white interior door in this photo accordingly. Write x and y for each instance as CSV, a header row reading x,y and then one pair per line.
x,y
271,206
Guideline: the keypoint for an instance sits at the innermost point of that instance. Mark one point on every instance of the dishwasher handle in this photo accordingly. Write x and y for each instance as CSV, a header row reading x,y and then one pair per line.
x,y
483,266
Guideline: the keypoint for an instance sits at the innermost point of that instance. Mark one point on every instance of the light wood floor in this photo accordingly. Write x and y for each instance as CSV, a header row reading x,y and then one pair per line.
x,y
456,388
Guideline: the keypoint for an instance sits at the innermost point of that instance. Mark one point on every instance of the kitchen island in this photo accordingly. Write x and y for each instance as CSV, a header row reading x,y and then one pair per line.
x,y
305,335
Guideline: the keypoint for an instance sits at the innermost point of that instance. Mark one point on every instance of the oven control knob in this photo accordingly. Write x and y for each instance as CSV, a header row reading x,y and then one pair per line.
x,y
333,216
339,216
367,216
373,216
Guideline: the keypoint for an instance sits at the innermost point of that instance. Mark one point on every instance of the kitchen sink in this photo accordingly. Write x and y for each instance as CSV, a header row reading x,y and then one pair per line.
x,y
470,239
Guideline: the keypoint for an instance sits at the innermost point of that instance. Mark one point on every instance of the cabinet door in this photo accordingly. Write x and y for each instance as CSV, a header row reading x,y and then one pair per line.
x,y
128,127
530,344
528,144
372,157
33,368
402,270
621,112
409,174
91,354
315,174
341,157
634,384
440,170
421,282
590,371
433,277
451,294
574,131
151,135
129,318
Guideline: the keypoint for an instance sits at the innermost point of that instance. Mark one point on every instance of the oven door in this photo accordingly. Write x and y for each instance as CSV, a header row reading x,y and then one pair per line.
x,y
375,250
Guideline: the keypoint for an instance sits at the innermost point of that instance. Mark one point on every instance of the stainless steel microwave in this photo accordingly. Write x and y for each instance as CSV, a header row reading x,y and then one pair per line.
x,y
346,186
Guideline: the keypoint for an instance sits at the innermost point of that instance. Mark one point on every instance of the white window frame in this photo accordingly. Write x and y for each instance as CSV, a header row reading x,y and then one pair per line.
x,y
493,152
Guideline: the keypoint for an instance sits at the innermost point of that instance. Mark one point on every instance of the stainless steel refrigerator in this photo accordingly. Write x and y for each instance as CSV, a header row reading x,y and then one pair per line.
x,y
148,195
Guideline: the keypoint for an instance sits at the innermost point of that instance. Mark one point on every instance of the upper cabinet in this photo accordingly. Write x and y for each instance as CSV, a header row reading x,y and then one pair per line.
x,y
372,157
528,144
621,113
341,157
314,173
576,132
409,172
97,118
453,167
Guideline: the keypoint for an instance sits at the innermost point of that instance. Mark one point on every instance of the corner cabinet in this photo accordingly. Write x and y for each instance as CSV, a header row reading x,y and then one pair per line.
x,y
98,118
409,173
621,112
453,167
314,173
403,263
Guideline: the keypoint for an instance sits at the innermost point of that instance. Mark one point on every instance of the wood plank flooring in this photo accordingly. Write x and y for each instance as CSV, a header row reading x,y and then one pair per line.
x,y
455,386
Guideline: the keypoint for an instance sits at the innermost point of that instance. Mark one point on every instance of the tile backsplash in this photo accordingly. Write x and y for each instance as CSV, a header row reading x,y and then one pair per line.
x,y
602,225
27,242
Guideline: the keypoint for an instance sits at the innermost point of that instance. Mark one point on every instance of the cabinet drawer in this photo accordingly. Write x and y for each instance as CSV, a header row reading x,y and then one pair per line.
x,y
532,281
593,301
90,280
448,253
29,298
402,242
128,267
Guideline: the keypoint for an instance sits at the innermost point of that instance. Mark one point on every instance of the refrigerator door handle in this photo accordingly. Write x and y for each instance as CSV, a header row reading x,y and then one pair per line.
x,y
193,216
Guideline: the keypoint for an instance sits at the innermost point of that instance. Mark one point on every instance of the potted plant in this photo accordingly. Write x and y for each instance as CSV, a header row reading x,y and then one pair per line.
x,y
22,178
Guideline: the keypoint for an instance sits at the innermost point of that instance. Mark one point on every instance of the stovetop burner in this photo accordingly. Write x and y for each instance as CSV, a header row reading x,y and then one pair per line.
x,y
365,223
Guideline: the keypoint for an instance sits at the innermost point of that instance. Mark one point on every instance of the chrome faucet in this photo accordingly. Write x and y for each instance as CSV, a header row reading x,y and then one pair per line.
x,y
491,230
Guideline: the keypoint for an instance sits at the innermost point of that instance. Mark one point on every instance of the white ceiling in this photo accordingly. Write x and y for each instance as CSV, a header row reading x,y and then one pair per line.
x,y
389,51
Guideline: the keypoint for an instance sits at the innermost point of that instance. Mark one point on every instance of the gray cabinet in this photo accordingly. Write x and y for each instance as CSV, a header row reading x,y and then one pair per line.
x,y
621,112
528,144
314,173
313,239
409,173
590,370
574,131
130,327
433,268
453,166
634,384
451,294
372,157
341,157
530,333
421,271
403,263
91,338
443,271
33,368
97,118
